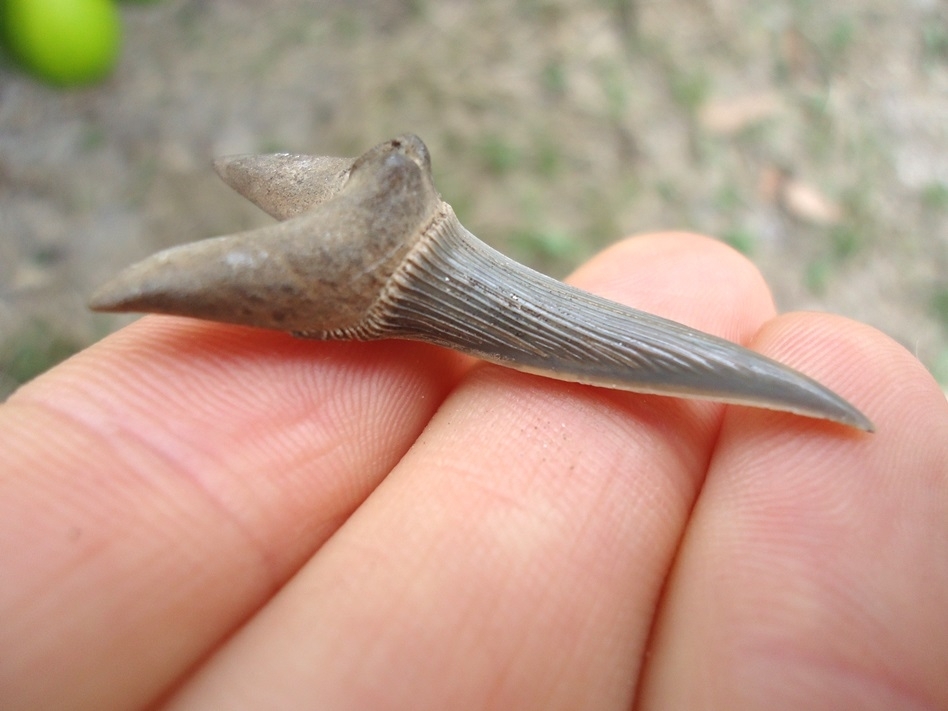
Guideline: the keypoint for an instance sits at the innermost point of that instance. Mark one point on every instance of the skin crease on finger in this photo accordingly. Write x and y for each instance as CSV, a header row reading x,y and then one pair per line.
x,y
536,556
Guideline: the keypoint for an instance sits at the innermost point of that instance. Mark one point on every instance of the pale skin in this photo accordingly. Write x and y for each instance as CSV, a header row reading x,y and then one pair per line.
x,y
195,515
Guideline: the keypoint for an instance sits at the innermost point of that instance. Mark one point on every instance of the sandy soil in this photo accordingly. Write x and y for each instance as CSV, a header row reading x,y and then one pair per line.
x,y
813,136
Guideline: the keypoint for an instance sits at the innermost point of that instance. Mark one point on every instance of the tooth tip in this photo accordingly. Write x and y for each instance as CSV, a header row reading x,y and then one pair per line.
x,y
845,414
225,167
108,298
863,423
842,411
145,286
117,296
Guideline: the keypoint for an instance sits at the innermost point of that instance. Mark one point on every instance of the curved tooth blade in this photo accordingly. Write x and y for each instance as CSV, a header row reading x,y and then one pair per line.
x,y
464,295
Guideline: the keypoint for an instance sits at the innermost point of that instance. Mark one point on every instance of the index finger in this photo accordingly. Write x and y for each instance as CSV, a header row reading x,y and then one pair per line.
x,y
158,487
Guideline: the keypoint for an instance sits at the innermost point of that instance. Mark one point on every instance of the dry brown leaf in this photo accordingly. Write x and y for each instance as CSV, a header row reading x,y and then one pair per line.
x,y
805,202
729,116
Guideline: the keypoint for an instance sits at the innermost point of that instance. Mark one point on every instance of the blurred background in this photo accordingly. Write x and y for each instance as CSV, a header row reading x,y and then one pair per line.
x,y
812,136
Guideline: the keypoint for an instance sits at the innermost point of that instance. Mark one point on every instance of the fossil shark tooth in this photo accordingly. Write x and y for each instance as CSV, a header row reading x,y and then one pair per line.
x,y
369,250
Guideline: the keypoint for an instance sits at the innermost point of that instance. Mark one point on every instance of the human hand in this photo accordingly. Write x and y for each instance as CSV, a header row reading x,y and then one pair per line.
x,y
202,516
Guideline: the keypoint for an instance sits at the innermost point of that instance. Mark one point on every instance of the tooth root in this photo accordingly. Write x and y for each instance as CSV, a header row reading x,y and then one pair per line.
x,y
206,279
320,271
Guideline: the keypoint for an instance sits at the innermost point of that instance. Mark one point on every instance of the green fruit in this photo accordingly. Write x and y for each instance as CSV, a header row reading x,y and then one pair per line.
x,y
63,41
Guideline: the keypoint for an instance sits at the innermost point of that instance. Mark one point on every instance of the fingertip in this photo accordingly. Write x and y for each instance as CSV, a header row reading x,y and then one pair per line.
x,y
813,548
879,376
201,463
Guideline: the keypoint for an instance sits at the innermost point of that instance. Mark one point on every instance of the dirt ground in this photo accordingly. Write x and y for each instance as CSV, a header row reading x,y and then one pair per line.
x,y
813,136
